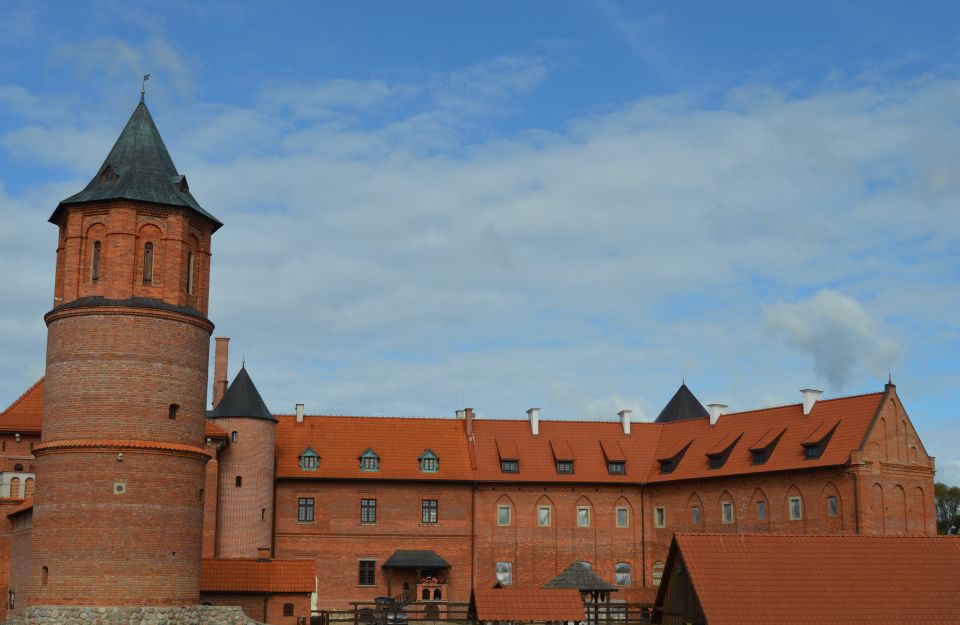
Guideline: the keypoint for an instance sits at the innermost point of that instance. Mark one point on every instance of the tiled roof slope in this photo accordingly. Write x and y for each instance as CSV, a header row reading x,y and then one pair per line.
x,y
251,575
397,441
797,580
25,414
854,413
581,577
26,505
528,604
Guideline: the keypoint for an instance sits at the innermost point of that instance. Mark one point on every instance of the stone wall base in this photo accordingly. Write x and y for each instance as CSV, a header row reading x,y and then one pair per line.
x,y
84,615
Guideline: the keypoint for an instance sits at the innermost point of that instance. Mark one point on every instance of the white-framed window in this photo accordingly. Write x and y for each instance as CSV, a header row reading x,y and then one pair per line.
x,y
623,516
503,514
309,460
795,504
369,461
726,510
660,516
429,462
695,515
583,516
623,573
505,573
833,506
544,516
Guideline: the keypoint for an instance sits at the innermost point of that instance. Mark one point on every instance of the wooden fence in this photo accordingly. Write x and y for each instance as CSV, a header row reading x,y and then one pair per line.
x,y
423,612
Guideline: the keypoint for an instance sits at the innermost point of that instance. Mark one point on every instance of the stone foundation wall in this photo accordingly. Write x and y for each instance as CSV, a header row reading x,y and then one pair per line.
x,y
183,615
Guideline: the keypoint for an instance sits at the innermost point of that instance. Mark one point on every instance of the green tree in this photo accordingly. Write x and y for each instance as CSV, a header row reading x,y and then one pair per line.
x,y
948,507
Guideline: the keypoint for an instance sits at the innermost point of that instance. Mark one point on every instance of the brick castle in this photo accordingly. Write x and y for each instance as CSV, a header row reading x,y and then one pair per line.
x,y
119,487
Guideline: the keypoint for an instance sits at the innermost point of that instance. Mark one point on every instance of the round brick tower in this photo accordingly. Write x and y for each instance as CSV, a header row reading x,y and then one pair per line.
x,y
247,471
118,507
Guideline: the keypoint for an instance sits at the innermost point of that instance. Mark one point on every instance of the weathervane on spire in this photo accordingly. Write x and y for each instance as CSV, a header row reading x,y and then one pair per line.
x,y
143,86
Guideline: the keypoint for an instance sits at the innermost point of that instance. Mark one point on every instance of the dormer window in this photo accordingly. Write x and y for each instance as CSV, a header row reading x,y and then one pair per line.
x,y
716,462
564,466
812,451
761,451
562,456
758,456
309,460
666,466
429,463
510,466
369,461
617,468
108,175
669,461
718,454
816,442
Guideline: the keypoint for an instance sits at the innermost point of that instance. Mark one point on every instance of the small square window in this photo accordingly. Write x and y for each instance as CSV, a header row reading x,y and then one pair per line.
x,y
726,509
505,573
544,514
564,466
617,468
510,466
659,516
503,515
583,516
623,517
796,509
761,510
833,509
695,515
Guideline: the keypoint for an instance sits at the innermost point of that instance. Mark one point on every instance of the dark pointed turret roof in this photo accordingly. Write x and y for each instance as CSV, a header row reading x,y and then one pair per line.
x,y
682,406
139,168
242,400
578,576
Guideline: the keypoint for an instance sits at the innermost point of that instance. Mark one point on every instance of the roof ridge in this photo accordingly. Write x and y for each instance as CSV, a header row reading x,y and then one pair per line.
x,y
819,401
23,395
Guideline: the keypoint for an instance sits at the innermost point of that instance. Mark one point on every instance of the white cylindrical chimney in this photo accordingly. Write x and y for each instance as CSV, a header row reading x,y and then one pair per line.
x,y
625,420
299,413
810,397
534,414
715,411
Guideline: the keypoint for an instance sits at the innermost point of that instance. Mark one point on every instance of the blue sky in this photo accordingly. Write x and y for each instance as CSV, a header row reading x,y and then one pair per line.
x,y
564,204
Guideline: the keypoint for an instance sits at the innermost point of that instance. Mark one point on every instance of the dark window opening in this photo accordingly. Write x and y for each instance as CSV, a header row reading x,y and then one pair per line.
x,y
428,511
564,466
172,412
812,451
437,595
716,462
200,496
95,263
425,594
148,264
18,467
617,468
368,572
288,609
305,509
44,576
190,264
239,481
234,436
758,456
263,514
666,466
368,510
510,466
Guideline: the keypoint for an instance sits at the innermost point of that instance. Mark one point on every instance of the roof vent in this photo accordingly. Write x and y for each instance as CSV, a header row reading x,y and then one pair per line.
x,y
299,413
810,397
534,414
625,420
715,411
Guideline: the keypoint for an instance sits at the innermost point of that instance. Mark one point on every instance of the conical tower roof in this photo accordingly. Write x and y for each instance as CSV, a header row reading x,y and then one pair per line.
x,y
139,168
682,406
242,399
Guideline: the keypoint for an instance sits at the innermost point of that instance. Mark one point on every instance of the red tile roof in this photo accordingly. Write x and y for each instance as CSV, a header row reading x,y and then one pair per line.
x,y
26,413
251,575
26,505
212,430
562,450
120,444
528,604
507,449
797,580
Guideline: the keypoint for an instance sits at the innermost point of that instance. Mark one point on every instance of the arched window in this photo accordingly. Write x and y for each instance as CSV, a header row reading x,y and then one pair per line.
x,y
28,488
148,263
15,488
425,594
437,595
95,263
623,573
657,573
190,264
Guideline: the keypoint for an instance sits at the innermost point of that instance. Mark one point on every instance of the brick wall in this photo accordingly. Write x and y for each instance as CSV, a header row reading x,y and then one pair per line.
x,y
20,544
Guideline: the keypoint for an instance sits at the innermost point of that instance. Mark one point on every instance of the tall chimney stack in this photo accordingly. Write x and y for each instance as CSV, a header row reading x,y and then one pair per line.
x,y
468,418
534,414
220,368
810,397
299,413
625,420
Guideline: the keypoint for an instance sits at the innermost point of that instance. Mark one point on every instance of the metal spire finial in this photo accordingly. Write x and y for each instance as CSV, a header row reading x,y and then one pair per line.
x,y
143,86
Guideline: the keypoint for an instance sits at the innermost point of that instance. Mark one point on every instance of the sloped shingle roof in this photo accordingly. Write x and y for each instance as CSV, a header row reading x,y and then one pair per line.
x,y
26,413
251,575
528,604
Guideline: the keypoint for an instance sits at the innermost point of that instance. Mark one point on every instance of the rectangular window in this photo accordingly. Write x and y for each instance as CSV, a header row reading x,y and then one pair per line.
x,y
659,516
429,465
368,510
695,515
308,462
796,509
305,509
617,468
543,516
716,462
428,511
368,572
505,573
832,508
759,457
503,515
190,273
510,466
583,516
761,510
623,574
727,512
623,517
564,466
813,451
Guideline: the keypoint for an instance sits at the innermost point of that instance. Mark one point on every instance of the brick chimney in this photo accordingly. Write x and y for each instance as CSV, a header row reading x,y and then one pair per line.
x,y
220,368
468,419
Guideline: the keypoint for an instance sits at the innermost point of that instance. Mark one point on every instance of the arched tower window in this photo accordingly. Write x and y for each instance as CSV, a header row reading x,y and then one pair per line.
x,y
44,575
15,488
95,263
190,280
148,263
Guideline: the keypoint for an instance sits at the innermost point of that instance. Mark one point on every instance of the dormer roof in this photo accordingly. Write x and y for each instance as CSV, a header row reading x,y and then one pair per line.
x,y
139,167
242,399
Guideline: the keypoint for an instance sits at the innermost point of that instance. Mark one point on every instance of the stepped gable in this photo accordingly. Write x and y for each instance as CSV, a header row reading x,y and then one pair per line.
x,y
242,399
683,406
139,168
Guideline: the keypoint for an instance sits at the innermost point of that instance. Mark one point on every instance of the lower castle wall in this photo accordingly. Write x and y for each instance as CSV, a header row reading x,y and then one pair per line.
x,y
83,615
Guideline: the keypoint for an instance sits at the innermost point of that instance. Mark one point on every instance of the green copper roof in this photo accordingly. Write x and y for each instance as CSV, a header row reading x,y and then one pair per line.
x,y
139,168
